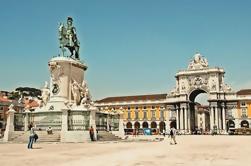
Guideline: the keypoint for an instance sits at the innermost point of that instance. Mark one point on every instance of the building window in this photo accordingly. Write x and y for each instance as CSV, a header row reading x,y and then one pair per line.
x,y
243,104
129,114
153,107
162,113
145,115
229,112
136,114
144,107
244,112
153,113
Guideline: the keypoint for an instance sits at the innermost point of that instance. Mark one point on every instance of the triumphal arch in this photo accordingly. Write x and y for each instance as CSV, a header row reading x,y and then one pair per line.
x,y
196,79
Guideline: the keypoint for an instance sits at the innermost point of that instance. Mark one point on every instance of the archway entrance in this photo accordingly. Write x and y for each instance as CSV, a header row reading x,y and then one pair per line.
x,y
245,124
129,125
136,125
173,124
199,111
162,126
145,125
230,124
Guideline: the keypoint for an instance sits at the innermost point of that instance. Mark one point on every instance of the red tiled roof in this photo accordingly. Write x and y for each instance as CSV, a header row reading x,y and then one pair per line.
x,y
244,92
4,99
30,103
6,102
132,98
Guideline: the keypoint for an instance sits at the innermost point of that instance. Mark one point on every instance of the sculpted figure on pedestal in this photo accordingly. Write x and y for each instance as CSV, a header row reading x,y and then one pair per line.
x,y
75,88
56,71
45,94
86,97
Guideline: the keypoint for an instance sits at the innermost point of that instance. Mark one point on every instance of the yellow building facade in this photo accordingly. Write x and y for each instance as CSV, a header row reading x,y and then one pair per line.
x,y
243,115
139,112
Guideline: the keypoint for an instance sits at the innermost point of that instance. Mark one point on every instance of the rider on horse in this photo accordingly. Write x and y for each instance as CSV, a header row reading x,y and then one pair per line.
x,y
68,38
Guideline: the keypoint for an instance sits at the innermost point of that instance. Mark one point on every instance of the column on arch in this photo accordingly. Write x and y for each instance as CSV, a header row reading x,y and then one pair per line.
x,y
178,118
170,115
217,117
184,116
188,118
185,110
223,117
181,119
211,117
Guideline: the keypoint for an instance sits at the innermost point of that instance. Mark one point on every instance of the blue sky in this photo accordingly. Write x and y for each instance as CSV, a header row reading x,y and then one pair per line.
x,y
130,46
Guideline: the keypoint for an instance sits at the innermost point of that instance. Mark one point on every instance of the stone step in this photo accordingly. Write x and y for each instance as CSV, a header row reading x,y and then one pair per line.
x,y
42,136
106,136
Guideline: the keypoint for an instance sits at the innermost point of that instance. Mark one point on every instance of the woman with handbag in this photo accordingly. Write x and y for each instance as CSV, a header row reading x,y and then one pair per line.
x,y
31,137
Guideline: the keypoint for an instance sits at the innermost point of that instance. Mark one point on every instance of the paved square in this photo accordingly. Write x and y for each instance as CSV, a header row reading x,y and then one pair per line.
x,y
190,150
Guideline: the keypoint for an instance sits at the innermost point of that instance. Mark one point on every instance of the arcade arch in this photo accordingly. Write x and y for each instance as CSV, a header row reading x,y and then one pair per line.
x,y
129,125
137,125
244,123
162,126
145,125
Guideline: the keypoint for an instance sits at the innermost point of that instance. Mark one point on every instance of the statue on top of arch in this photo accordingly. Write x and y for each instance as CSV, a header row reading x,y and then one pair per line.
x,y
198,62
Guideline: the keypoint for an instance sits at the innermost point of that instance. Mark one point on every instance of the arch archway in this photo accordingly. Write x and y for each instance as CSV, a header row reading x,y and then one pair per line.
x,y
145,125
173,124
199,78
199,115
129,125
245,124
195,92
153,125
230,124
162,126
137,125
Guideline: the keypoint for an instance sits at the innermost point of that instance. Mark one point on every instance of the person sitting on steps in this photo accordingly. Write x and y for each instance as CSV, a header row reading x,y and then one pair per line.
x,y
49,130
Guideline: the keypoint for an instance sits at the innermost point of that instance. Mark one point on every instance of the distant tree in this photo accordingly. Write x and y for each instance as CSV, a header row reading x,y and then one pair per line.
x,y
27,91
14,95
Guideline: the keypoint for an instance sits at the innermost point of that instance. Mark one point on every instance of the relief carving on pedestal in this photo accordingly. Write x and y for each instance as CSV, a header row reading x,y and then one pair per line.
x,y
45,94
81,94
55,70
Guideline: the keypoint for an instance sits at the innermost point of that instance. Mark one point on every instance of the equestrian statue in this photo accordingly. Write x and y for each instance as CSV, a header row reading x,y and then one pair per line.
x,y
68,38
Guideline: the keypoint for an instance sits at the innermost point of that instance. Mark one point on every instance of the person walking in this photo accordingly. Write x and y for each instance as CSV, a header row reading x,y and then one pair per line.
x,y
173,135
97,133
91,132
31,137
164,132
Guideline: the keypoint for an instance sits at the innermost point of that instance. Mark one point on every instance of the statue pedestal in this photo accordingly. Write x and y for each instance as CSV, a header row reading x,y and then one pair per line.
x,y
64,71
